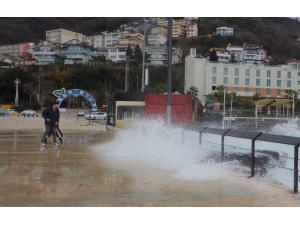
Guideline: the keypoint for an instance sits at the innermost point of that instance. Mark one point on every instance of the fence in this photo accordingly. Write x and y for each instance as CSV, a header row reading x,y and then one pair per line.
x,y
199,134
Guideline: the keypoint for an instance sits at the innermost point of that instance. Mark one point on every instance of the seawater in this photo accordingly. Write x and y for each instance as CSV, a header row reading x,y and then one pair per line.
x,y
168,148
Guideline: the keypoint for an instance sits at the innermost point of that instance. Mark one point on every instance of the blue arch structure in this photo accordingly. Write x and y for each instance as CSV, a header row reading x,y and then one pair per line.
x,y
62,94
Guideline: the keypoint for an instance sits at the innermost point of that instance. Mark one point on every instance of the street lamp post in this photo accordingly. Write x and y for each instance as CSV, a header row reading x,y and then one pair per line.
x,y
73,95
137,83
293,97
231,110
224,90
29,96
38,95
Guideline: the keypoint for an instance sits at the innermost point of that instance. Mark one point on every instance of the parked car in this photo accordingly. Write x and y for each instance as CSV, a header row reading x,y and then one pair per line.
x,y
96,116
80,113
10,111
28,112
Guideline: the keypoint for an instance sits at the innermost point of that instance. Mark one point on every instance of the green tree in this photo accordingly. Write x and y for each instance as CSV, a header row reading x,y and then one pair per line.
x,y
220,94
129,52
161,88
213,56
193,91
138,54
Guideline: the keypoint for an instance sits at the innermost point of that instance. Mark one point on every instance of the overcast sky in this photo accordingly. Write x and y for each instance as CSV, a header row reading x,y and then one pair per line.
x,y
152,8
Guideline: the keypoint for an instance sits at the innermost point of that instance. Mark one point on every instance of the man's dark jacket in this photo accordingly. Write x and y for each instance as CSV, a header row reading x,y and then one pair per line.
x,y
49,113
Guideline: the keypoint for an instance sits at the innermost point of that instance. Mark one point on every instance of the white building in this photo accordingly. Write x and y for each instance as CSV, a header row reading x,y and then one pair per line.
x,y
245,80
156,39
62,36
96,41
224,31
112,38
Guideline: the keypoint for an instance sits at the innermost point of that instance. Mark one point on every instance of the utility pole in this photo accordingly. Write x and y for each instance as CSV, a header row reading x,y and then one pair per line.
x,y
17,82
169,105
126,74
143,69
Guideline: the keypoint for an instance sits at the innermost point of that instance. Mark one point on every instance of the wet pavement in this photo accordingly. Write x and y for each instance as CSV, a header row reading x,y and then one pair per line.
x,y
77,173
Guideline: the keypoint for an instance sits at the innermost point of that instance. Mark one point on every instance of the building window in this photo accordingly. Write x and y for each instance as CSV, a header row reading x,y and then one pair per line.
x,y
278,83
247,72
298,83
257,82
278,74
268,82
214,70
225,80
257,90
225,71
268,73
236,72
247,89
236,81
278,92
236,88
258,73
214,80
268,91
298,74
289,75
289,83
247,81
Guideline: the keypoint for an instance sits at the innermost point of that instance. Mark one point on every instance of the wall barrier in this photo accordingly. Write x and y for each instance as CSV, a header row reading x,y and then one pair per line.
x,y
197,134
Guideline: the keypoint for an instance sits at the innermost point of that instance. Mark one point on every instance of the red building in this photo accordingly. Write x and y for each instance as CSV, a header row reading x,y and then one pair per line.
x,y
182,109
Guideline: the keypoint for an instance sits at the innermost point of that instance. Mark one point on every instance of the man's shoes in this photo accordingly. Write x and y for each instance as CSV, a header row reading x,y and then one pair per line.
x,y
42,144
55,144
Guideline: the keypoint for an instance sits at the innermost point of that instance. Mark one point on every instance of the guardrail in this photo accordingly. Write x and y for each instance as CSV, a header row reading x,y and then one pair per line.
x,y
197,133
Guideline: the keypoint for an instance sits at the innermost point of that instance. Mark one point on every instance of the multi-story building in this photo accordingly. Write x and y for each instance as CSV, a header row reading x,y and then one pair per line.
x,y
26,59
159,30
224,31
177,31
47,52
136,35
16,50
76,51
250,54
191,30
224,55
117,52
165,22
62,36
254,54
156,39
112,38
96,41
131,40
157,54
245,80
237,51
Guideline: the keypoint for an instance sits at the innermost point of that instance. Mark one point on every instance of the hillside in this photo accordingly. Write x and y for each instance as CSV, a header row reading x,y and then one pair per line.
x,y
32,29
278,35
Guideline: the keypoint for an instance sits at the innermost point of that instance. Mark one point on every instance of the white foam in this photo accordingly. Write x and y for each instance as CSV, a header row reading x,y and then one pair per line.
x,y
155,143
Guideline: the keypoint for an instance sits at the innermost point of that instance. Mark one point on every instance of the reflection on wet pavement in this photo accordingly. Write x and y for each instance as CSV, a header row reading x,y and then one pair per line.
x,y
73,175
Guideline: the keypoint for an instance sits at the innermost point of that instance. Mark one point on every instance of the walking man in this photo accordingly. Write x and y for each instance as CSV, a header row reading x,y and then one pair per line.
x,y
51,116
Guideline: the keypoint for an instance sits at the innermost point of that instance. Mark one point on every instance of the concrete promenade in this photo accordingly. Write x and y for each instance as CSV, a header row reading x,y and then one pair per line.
x,y
77,173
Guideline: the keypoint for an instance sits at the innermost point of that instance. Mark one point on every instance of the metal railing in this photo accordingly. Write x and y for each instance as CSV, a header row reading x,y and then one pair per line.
x,y
199,138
